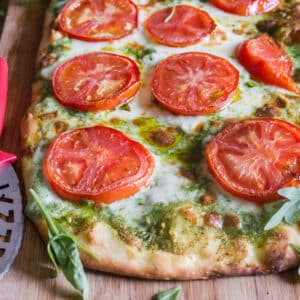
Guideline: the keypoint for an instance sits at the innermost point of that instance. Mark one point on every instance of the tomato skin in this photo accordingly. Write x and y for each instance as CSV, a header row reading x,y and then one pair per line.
x,y
166,83
246,7
177,32
116,26
232,139
124,165
79,67
266,61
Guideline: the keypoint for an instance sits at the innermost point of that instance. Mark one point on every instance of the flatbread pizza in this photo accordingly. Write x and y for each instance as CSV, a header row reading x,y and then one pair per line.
x,y
160,133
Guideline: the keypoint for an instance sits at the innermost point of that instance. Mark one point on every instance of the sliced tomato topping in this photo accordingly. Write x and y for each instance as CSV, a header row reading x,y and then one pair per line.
x,y
266,61
254,158
179,26
96,81
98,20
246,7
194,83
97,163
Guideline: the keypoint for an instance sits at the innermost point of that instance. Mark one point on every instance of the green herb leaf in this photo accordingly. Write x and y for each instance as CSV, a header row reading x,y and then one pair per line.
x,y
289,211
79,244
291,193
139,53
68,259
251,84
58,5
63,252
170,294
294,53
53,273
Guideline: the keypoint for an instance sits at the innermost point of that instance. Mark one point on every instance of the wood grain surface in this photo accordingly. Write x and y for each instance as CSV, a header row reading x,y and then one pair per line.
x,y
28,277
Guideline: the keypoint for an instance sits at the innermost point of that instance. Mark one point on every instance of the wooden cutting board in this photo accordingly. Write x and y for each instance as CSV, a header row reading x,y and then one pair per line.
x,y
28,277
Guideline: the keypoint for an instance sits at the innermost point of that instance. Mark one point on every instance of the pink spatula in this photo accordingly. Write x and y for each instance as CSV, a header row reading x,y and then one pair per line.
x,y
11,215
5,158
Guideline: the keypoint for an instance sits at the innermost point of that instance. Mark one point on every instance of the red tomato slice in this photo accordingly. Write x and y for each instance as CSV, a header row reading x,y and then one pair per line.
x,y
184,26
254,158
98,20
246,7
266,61
97,163
96,81
194,83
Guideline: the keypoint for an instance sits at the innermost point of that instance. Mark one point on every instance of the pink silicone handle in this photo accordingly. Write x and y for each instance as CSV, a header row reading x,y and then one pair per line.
x,y
3,90
6,158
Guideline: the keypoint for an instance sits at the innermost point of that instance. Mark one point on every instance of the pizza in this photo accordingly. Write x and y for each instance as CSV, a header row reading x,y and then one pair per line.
x,y
160,133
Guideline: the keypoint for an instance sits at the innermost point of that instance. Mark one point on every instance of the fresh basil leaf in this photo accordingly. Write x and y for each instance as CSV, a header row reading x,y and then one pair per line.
x,y
58,5
63,252
291,193
170,294
50,222
294,53
289,211
53,273
67,257
251,84
79,244
279,215
293,214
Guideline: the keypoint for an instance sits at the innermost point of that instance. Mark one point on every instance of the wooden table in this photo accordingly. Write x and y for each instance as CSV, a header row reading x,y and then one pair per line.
x,y
28,277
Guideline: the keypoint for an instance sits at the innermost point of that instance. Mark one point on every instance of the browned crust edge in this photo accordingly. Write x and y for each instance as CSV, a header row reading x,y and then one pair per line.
x,y
277,256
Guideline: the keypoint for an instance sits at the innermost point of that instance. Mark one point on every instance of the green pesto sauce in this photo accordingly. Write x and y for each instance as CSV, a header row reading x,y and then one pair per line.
x,y
164,226
139,53
161,139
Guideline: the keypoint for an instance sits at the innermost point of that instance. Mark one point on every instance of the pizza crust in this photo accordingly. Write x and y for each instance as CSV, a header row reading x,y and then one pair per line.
x,y
115,256
124,258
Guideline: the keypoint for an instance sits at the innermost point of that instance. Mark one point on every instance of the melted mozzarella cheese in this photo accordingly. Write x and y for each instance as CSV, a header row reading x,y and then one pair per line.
x,y
166,184
223,42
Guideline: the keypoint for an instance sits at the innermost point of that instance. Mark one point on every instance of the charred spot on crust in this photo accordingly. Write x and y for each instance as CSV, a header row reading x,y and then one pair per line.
x,y
238,252
128,238
238,31
115,121
190,215
198,127
60,126
161,137
187,173
266,25
48,116
275,257
283,25
266,111
47,60
230,121
232,221
279,102
207,199
139,122
184,157
213,219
